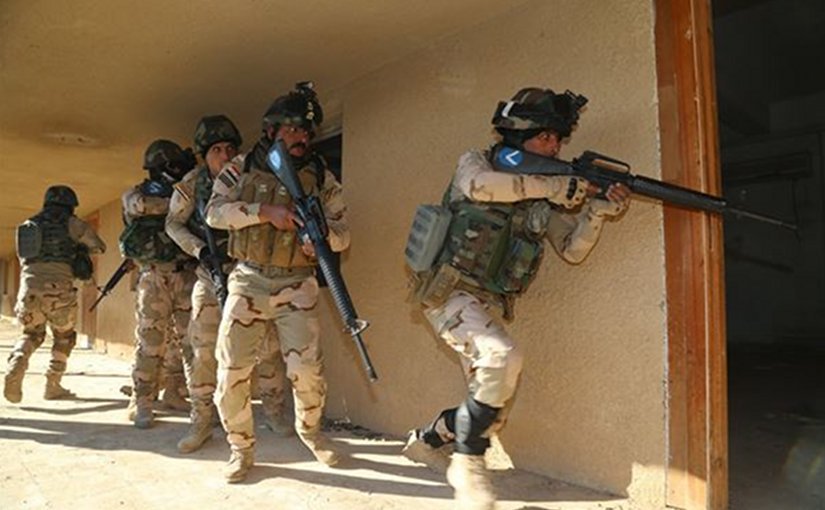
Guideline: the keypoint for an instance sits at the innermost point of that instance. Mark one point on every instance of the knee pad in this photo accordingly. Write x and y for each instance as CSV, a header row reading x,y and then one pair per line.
x,y
472,420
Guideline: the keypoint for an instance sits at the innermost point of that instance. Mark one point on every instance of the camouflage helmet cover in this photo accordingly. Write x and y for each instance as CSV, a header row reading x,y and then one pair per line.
x,y
60,195
535,108
165,154
213,129
298,108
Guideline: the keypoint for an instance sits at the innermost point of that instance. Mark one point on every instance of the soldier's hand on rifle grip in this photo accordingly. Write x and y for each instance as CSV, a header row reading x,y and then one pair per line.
x,y
281,217
309,249
565,191
618,198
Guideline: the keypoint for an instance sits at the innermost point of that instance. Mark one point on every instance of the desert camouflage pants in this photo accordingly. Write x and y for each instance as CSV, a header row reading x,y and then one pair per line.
x,y
54,305
260,299
491,360
199,353
164,301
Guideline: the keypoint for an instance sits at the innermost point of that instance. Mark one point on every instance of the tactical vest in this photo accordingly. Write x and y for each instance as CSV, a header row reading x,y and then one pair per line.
x,y
45,238
262,243
492,246
144,239
202,192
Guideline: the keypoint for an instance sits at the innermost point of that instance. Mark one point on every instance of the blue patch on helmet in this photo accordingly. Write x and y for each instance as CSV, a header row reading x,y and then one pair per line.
x,y
510,157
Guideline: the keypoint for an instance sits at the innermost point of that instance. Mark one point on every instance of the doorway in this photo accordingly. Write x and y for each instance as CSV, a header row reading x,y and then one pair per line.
x,y
770,81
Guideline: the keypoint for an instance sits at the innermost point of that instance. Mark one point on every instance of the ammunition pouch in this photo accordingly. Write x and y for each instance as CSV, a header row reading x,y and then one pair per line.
x,y
432,288
82,267
426,239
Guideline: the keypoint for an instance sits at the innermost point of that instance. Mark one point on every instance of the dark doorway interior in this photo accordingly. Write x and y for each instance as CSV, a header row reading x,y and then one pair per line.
x,y
770,71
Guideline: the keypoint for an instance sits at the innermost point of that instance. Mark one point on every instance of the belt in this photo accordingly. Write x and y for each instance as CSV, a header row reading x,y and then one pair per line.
x,y
270,271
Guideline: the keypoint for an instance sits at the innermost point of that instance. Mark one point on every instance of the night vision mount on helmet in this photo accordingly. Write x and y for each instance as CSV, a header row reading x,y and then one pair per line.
x,y
298,108
213,129
535,108
164,158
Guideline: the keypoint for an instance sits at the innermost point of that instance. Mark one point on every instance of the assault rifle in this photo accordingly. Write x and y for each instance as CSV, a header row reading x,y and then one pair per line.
x,y
124,267
603,171
214,264
315,230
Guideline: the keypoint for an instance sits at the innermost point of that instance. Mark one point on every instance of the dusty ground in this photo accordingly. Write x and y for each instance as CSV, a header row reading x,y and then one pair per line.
x,y
83,454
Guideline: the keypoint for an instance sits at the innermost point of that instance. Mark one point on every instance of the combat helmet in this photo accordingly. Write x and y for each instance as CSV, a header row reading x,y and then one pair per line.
x,y
298,108
213,129
534,108
167,157
60,195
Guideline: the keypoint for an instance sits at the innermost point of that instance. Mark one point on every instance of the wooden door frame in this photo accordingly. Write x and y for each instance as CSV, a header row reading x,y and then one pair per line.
x,y
697,475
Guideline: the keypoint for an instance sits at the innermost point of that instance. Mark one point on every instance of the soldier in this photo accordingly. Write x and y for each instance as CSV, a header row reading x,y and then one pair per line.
x,y
53,247
516,213
273,283
217,141
165,279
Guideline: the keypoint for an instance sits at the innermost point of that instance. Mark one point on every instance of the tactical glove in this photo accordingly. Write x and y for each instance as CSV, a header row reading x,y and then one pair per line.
x,y
565,191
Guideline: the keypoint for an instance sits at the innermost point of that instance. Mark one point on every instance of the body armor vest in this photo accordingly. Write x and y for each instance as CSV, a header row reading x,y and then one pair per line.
x,y
195,223
262,243
45,238
144,239
495,246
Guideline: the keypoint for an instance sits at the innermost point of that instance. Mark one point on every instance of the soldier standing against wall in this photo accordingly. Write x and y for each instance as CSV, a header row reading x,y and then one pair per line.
x,y
165,279
53,247
273,284
490,208
217,140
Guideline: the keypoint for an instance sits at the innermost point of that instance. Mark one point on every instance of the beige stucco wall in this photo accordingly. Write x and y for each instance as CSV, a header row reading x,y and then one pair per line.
x,y
591,403
116,313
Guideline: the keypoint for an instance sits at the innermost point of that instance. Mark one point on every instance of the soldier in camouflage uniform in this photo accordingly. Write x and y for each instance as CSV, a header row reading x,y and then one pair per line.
x,y
165,279
273,284
217,140
53,247
469,277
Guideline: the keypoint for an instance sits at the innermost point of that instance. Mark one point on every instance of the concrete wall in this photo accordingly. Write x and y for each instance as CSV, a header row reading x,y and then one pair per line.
x,y
590,407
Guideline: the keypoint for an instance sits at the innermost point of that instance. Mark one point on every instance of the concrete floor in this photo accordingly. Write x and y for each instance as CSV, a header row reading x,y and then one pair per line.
x,y
776,405
83,454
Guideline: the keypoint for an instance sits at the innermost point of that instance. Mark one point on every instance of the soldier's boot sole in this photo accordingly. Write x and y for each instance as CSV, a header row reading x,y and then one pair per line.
x,y
417,450
240,462
13,387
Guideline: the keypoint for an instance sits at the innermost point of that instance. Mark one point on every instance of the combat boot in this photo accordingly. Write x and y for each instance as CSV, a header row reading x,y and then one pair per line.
x,y
417,450
200,431
144,416
322,448
54,391
470,479
171,395
131,409
240,462
13,387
